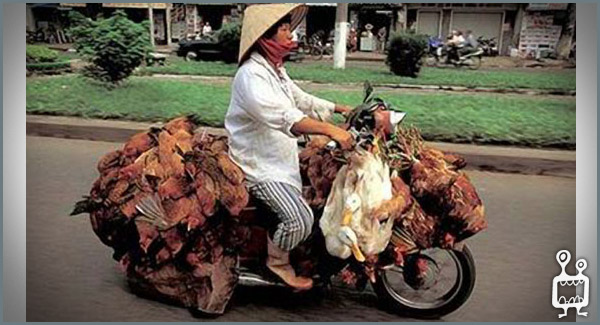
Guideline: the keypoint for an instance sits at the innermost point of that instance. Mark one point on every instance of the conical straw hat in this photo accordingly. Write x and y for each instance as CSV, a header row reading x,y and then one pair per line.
x,y
260,17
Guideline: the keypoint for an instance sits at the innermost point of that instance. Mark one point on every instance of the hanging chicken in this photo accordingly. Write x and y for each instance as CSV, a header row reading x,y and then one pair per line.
x,y
166,203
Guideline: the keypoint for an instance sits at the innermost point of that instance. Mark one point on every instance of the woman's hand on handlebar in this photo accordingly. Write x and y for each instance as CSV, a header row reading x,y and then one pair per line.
x,y
342,137
343,109
311,126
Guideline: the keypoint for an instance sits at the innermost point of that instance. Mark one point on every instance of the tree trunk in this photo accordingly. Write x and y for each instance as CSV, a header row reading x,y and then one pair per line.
x,y
568,30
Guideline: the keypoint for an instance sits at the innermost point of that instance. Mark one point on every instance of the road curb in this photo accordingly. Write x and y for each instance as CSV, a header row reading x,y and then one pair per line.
x,y
521,91
359,86
485,158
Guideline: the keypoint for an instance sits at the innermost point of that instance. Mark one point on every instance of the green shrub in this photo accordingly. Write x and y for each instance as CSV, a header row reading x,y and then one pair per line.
x,y
229,37
40,53
115,46
405,51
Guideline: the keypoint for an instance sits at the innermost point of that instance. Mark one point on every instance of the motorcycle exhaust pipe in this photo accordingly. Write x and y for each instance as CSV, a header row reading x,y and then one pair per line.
x,y
254,280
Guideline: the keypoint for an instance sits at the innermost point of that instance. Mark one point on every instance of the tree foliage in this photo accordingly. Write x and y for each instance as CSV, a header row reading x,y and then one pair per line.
x,y
114,46
405,51
229,36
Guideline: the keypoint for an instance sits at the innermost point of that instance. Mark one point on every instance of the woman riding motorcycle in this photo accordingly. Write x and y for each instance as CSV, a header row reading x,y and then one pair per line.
x,y
455,43
267,113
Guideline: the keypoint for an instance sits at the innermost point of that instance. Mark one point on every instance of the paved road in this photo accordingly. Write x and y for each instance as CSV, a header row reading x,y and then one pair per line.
x,y
71,276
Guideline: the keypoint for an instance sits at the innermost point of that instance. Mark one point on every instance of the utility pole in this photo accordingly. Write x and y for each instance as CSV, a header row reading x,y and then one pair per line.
x,y
168,21
151,18
341,35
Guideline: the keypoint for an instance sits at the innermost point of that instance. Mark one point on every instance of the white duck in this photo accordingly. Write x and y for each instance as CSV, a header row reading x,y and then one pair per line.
x,y
359,188
340,239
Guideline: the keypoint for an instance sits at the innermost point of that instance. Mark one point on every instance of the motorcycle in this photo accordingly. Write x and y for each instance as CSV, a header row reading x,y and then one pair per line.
x,y
448,276
310,46
489,46
37,36
441,55
319,45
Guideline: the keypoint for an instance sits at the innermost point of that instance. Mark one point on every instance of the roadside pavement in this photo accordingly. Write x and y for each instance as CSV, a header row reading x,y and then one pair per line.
x,y
488,158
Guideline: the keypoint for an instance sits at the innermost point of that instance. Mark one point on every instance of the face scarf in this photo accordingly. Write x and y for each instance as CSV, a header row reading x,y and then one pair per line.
x,y
273,51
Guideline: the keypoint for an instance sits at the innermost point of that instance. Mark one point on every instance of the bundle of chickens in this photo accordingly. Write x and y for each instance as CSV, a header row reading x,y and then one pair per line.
x,y
167,204
433,203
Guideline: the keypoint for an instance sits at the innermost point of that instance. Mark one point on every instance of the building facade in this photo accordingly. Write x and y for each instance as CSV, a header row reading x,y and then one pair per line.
x,y
187,20
489,20
526,29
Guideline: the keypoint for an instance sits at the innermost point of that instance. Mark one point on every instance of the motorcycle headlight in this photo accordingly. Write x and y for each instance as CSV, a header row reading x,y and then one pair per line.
x,y
396,118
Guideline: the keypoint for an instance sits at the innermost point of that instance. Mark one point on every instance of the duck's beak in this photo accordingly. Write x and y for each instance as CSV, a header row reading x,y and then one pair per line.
x,y
376,149
357,253
346,217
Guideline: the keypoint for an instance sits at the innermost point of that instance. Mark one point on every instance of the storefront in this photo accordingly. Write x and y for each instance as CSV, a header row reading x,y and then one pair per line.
x,y
490,20
381,17
49,21
541,28
188,20
320,17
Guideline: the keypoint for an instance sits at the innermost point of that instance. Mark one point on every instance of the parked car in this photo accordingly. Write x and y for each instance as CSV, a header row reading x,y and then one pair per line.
x,y
207,48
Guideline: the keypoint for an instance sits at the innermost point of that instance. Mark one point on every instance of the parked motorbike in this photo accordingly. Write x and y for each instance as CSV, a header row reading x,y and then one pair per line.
x,y
450,274
312,45
441,55
325,46
37,36
488,45
320,45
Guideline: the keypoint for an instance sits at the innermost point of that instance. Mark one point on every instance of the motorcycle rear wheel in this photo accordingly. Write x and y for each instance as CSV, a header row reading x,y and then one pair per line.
x,y
401,302
475,62
317,53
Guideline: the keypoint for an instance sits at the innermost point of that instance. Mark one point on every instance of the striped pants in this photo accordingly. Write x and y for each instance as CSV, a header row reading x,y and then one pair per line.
x,y
295,218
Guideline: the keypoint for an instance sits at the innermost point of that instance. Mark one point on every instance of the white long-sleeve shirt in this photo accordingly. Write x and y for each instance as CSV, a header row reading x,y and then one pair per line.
x,y
263,108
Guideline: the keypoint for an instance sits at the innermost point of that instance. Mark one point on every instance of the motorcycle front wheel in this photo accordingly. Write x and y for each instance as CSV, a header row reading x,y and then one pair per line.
x,y
447,285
